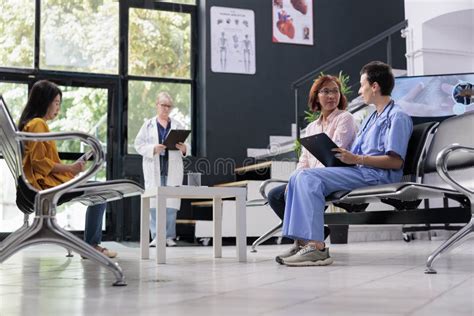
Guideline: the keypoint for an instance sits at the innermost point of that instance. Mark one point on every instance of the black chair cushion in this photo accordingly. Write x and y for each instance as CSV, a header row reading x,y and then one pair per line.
x,y
25,197
415,146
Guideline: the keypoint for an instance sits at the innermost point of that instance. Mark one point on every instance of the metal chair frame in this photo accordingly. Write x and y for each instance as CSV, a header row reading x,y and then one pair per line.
x,y
45,228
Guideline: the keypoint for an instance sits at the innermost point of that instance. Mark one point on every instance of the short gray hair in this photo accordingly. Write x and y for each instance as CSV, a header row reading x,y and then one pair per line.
x,y
164,95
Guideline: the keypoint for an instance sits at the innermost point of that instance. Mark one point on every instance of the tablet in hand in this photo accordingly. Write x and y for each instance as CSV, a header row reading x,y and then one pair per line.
x,y
86,156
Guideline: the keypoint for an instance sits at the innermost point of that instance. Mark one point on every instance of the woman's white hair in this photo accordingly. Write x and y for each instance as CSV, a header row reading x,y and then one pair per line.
x,y
164,95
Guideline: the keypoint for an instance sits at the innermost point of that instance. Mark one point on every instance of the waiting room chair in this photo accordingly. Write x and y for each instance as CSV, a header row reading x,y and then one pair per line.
x,y
417,147
43,203
447,171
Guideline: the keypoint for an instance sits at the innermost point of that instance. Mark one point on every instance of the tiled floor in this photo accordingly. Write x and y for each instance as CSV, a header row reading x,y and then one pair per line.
x,y
374,278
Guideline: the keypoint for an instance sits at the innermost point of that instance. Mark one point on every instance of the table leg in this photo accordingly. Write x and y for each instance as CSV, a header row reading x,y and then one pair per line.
x,y
144,227
217,221
241,229
160,229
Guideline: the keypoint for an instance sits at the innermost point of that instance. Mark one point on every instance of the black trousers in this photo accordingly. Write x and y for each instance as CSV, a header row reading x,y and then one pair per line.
x,y
276,200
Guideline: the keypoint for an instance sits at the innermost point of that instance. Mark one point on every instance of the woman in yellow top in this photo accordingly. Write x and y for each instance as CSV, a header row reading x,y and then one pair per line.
x,y
41,164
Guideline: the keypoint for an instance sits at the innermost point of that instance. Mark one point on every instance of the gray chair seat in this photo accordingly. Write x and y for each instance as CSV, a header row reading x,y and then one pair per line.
x,y
403,191
108,191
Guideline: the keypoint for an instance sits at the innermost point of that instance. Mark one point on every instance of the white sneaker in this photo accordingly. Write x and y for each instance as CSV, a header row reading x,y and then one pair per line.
x,y
170,242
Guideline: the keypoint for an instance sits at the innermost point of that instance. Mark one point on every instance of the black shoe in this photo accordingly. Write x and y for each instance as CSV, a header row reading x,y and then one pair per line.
x,y
327,232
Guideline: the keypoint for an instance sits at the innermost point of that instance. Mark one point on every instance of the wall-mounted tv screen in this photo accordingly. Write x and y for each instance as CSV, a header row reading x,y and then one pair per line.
x,y
435,95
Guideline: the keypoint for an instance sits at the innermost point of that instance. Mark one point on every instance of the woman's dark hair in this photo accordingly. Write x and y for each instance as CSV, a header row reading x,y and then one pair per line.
x,y
381,73
41,96
313,102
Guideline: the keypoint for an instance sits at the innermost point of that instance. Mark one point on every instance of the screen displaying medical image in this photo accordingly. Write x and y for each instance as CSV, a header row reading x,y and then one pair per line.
x,y
437,95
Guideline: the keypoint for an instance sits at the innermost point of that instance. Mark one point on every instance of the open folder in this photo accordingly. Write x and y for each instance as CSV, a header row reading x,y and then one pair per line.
x,y
320,145
174,137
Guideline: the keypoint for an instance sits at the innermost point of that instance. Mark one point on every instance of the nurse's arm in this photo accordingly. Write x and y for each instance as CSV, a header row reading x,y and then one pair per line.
x,y
390,161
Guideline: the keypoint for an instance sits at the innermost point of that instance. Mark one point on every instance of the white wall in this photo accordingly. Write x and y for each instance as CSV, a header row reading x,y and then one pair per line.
x,y
440,36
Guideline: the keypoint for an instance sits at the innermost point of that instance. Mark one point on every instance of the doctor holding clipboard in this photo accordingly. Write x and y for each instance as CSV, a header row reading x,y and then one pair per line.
x,y
162,167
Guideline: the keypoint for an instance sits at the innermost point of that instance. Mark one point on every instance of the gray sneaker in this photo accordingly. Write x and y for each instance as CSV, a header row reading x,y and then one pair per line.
x,y
309,256
290,252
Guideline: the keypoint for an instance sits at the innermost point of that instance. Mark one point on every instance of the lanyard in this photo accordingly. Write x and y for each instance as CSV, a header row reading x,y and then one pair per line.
x,y
162,133
372,119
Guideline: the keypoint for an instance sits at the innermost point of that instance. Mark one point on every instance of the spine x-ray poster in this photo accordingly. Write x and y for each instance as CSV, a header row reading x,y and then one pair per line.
x,y
232,40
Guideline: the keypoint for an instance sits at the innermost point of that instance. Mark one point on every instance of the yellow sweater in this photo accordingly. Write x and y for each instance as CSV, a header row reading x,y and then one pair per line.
x,y
40,157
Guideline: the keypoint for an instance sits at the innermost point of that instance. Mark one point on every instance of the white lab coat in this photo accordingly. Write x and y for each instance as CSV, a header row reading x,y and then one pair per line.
x,y
145,142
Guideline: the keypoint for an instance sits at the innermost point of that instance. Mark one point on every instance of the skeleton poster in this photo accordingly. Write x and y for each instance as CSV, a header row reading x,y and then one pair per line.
x,y
293,21
232,40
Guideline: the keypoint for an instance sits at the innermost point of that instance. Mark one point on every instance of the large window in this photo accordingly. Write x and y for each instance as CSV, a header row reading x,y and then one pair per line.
x,y
15,96
80,35
159,59
110,58
17,33
159,43
85,110
142,100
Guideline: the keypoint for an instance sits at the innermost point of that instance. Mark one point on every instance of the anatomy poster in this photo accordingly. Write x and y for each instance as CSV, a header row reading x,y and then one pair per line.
x,y
293,21
232,40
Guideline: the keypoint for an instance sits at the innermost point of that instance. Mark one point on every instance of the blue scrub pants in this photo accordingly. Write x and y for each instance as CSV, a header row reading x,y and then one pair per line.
x,y
170,218
305,200
93,227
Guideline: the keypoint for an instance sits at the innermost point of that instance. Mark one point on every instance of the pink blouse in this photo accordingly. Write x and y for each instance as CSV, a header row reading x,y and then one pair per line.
x,y
340,127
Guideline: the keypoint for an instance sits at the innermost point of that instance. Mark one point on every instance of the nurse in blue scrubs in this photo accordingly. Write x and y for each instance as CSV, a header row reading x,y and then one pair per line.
x,y
378,153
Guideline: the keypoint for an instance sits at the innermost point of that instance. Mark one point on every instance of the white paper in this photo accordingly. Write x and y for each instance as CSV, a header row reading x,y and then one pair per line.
x,y
232,40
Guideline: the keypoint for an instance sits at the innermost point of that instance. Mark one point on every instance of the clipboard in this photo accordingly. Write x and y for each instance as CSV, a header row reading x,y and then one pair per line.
x,y
176,136
320,145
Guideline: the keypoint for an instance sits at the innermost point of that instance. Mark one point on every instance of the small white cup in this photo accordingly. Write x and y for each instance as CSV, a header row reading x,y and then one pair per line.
x,y
194,179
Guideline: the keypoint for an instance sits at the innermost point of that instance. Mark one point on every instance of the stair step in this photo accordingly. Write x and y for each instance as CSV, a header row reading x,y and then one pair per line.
x,y
185,221
279,151
233,184
207,203
202,203
254,152
258,166
280,140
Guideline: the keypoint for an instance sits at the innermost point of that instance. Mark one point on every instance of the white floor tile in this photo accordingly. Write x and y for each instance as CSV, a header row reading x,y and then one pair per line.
x,y
373,278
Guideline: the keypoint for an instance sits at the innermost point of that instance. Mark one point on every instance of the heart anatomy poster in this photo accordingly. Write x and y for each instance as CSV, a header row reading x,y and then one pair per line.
x,y
232,40
293,21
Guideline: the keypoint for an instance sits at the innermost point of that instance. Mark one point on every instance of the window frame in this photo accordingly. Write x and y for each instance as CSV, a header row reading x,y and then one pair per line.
x,y
118,228
123,60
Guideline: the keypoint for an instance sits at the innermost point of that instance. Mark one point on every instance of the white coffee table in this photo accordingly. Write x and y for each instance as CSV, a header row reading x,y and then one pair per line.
x,y
190,192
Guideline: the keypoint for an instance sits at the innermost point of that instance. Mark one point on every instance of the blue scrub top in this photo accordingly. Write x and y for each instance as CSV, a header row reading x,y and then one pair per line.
x,y
380,134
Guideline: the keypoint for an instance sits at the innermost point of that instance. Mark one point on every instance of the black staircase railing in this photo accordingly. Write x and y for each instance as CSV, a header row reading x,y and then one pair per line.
x,y
336,61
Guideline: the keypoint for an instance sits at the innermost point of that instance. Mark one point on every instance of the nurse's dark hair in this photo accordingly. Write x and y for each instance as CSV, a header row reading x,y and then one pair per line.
x,y
381,73
41,96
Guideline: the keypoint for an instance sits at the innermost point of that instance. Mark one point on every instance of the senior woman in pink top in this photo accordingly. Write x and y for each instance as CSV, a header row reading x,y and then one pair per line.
x,y
325,96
